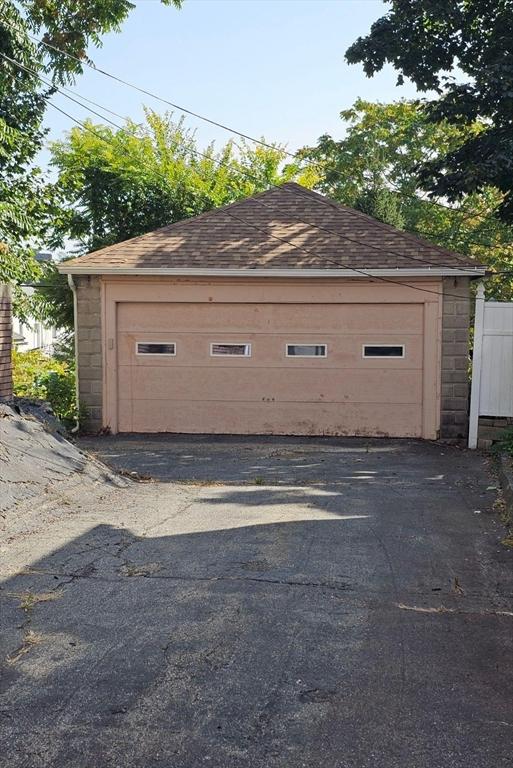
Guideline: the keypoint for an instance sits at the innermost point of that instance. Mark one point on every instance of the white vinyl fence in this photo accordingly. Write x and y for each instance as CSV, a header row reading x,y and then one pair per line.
x,y
492,366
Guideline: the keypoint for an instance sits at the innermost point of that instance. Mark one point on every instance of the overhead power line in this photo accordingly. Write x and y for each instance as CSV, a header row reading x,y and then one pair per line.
x,y
347,237
326,258
322,258
154,95
210,158
330,231
216,123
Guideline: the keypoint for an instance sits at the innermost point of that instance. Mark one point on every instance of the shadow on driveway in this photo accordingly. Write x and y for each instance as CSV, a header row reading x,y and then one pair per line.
x,y
349,605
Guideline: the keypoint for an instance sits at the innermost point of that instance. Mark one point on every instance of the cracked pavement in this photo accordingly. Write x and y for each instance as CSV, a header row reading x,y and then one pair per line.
x,y
263,602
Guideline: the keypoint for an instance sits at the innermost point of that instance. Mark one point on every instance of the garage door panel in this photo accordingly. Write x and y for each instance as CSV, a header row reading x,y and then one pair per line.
x,y
265,418
190,318
347,318
125,416
268,392
220,384
281,318
269,350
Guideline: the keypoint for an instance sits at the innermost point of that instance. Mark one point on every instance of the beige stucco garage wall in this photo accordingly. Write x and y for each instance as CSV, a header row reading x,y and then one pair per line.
x,y
97,296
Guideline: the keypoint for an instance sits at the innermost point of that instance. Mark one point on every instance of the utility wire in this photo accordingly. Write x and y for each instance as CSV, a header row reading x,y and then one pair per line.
x,y
295,216
358,215
220,163
61,90
327,259
211,121
337,234
151,94
332,232
332,261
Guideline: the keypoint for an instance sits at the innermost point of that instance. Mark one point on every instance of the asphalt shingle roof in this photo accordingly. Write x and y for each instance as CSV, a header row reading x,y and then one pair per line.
x,y
286,227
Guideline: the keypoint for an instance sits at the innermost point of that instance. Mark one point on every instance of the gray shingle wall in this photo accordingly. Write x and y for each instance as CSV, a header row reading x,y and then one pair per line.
x,y
5,342
455,360
90,375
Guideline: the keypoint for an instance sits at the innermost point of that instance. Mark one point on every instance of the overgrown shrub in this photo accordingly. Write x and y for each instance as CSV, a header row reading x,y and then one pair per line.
x,y
505,442
38,376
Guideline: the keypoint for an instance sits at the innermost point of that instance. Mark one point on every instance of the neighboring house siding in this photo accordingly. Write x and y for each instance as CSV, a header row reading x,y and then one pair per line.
x,y
33,334
5,342
90,350
455,360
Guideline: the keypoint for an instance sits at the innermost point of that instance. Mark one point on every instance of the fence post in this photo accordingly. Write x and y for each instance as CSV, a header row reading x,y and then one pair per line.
x,y
477,360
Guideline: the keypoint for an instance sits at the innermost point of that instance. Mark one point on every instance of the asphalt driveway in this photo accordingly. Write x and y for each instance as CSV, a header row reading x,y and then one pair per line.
x,y
266,603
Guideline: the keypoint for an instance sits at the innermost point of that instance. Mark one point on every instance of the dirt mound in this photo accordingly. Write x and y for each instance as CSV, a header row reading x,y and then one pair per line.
x,y
37,462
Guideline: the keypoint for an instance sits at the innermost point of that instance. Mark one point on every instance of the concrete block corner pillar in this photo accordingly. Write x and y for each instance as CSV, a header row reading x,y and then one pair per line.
x,y
455,358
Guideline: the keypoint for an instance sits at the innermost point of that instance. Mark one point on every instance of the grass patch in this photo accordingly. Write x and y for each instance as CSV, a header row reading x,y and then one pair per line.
x,y
29,599
505,442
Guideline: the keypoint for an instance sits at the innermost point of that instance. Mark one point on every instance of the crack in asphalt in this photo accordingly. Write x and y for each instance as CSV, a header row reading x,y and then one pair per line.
x,y
401,625
83,574
443,609
87,573
175,514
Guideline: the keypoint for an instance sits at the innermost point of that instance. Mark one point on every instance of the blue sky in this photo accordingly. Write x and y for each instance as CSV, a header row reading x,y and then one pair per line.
x,y
272,68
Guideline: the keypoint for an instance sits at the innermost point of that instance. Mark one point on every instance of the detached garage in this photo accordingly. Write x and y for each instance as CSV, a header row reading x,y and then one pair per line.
x,y
284,313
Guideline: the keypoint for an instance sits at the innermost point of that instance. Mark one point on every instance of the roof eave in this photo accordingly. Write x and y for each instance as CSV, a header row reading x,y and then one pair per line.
x,y
445,271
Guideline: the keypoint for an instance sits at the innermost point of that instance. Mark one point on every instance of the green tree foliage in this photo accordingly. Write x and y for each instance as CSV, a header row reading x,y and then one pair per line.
x,y
22,104
53,303
70,26
425,40
27,203
374,167
118,184
382,204
39,377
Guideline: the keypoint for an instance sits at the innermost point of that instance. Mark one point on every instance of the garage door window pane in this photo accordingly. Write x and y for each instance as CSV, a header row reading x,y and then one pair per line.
x,y
383,350
306,350
220,349
156,348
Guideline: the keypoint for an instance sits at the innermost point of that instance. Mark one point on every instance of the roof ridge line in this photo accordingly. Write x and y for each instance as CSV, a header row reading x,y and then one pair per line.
x,y
388,227
214,240
203,214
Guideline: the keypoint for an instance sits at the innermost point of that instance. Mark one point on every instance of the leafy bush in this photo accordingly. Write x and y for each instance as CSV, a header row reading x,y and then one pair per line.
x,y
505,442
38,376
